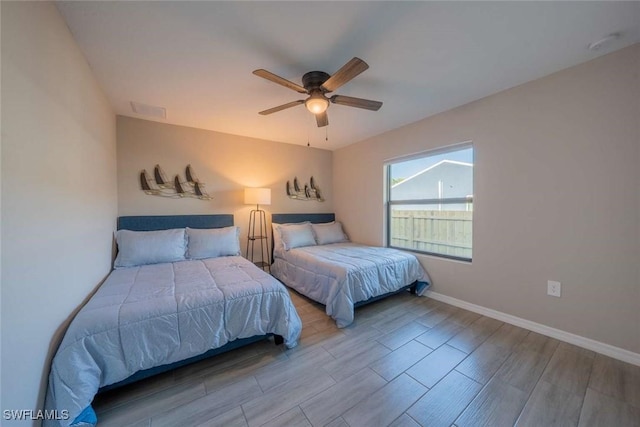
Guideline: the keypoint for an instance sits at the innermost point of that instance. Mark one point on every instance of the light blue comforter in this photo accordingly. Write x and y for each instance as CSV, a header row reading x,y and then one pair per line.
x,y
152,315
339,275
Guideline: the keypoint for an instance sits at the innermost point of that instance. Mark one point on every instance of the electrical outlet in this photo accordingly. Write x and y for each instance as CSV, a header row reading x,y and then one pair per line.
x,y
554,288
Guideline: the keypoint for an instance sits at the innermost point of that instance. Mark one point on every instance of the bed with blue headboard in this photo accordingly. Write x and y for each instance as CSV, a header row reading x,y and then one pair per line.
x,y
313,255
179,292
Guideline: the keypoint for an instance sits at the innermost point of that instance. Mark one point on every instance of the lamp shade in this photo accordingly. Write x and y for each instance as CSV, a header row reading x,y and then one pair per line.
x,y
257,196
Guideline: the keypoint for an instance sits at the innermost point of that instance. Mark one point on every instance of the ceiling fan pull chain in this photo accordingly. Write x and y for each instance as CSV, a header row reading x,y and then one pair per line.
x,y
326,134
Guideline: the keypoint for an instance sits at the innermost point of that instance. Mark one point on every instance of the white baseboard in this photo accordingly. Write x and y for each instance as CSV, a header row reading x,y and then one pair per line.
x,y
597,346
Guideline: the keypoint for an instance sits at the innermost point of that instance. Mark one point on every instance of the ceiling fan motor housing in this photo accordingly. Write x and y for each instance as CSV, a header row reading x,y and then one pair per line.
x,y
313,80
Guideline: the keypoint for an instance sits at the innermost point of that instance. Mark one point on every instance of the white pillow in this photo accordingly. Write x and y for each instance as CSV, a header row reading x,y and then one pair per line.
x,y
297,235
330,232
212,242
149,247
278,246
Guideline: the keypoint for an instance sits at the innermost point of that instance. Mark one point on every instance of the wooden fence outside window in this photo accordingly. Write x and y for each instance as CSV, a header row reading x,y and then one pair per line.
x,y
441,232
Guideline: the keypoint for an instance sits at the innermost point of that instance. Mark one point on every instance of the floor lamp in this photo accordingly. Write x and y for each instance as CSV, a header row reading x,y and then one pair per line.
x,y
258,224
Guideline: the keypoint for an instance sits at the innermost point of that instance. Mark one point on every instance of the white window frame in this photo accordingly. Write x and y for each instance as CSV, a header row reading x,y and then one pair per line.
x,y
457,200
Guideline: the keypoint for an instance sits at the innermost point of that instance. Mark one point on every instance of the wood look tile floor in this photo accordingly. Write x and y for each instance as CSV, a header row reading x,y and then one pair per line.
x,y
405,361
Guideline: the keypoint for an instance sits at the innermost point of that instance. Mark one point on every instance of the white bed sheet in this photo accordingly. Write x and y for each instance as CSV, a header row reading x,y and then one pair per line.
x,y
339,275
153,315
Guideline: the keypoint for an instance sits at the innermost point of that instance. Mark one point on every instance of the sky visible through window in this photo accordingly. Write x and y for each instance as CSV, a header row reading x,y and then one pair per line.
x,y
412,167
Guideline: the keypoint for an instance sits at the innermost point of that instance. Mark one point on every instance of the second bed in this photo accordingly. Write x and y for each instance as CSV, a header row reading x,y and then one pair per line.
x,y
312,255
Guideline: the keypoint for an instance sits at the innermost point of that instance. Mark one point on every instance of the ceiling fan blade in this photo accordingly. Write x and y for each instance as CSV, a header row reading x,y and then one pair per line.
x,y
281,107
277,79
344,74
350,101
322,119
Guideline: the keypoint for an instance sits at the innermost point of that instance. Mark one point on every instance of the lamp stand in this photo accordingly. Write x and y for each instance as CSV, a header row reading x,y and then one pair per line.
x,y
259,234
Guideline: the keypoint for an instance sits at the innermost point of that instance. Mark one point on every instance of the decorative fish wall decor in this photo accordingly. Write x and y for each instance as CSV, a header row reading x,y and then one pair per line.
x,y
176,189
308,192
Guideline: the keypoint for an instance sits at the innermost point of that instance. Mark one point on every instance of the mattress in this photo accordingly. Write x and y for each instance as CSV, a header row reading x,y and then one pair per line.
x,y
153,315
340,275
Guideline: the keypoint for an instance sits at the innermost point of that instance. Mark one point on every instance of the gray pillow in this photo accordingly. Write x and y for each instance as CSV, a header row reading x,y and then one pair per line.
x,y
212,242
330,232
297,235
149,247
278,243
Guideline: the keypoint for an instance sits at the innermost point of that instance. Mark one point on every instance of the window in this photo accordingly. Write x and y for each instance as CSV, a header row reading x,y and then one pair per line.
x,y
430,203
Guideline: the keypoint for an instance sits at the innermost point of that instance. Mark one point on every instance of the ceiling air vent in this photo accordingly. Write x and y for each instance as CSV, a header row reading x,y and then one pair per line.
x,y
149,110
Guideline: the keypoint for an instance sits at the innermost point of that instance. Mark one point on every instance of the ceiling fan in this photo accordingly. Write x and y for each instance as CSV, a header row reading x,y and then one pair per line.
x,y
317,84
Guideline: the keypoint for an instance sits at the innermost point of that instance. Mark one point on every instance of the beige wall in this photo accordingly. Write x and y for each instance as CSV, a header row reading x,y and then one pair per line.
x,y
556,197
59,200
225,163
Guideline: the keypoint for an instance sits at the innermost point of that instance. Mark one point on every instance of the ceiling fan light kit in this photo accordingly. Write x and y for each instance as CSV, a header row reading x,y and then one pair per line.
x,y
316,84
317,103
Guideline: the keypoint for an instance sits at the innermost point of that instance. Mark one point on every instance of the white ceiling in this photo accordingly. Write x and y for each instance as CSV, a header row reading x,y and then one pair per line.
x,y
196,58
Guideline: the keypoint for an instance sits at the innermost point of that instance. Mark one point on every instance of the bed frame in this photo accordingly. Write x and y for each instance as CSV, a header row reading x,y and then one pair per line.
x,y
316,218
152,223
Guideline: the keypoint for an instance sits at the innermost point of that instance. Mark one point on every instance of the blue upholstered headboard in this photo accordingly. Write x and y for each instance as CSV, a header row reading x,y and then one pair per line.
x,y
164,222
314,218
